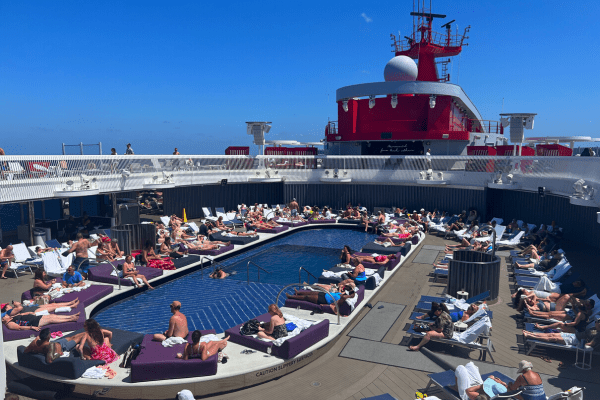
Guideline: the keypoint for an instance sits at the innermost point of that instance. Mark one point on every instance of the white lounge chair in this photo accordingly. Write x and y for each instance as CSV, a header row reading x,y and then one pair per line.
x,y
208,214
511,242
17,265
52,263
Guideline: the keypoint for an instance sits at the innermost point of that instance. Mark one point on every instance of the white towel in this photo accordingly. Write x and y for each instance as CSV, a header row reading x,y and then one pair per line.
x,y
43,312
140,281
301,324
330,274
63,309
467,376
473,332
546,285
169,342
94,373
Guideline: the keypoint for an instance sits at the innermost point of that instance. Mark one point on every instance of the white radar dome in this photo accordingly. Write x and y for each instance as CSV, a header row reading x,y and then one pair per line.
x,y
400,68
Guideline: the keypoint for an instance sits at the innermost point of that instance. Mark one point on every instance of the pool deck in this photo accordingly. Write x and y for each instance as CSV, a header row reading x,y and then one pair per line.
x,y
333,377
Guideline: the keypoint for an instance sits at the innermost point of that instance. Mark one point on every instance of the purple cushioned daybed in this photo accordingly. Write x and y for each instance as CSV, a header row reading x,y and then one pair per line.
x,y
102,273
290,348
10,334
275,229
292,224
86,296
307,305
155,362
216,252
390,265
349,221
322,221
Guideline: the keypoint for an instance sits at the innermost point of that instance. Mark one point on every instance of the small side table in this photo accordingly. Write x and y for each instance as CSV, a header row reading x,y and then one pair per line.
x,y
581,361
460,326
462,295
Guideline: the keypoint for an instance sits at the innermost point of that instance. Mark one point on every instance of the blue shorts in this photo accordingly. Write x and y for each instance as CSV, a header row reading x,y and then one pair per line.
x,y
67,345
294,212
82,264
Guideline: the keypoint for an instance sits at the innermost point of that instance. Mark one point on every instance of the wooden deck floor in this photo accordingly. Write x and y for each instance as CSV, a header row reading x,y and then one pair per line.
x,y
333,377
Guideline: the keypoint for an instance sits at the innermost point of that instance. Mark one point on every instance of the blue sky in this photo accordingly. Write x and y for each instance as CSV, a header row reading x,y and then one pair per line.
x,y
189,74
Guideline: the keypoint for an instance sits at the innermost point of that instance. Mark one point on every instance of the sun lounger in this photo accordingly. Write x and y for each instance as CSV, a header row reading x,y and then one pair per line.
x,y
370,283
475,331
241,240
322,221
511,242
275,229
85,296
105,273
390,264
23,260
345,309
53,243
379,249
208,214
447,379
290,348
532,344
10,334
228,218
216,252
291,223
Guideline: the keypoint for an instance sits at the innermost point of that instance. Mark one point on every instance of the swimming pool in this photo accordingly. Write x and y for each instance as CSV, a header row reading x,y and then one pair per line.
x,y
221,304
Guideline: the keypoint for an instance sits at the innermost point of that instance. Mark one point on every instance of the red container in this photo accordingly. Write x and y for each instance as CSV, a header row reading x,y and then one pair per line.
x,y
509,151
237,151
481,151
547,150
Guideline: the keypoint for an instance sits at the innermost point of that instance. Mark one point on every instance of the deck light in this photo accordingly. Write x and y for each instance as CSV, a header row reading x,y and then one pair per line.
x,y
371,101
345,105
432,101
394,100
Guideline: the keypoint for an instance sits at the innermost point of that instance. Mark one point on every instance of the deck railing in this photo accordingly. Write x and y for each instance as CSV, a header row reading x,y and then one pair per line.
x,y
25,178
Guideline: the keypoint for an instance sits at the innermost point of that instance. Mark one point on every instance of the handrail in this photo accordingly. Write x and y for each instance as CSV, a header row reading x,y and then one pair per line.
x,y
307,272
114,269
202,264
258,268
317,288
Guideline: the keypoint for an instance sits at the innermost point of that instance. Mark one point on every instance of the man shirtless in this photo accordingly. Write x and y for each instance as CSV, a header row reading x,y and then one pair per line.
x,y
6,257
178,326
80,248
53,350
294,207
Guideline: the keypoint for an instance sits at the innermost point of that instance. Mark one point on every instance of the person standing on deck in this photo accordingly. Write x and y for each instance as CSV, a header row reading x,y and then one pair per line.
x,y
129,150
294,207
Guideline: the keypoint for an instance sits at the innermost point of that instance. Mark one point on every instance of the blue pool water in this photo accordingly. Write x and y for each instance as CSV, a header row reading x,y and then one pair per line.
x,y
221,304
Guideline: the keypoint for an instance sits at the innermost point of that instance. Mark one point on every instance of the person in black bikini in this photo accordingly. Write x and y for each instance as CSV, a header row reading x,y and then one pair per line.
x,y
275,328
35,322
201,350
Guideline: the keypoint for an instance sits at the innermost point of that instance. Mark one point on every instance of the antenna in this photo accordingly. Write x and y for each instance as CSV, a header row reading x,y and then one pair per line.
x,y
429,16
410,40
447,25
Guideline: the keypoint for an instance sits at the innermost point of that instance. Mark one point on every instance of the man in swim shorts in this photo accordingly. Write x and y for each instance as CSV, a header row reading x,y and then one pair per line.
x,y
80,248
178,326
6,256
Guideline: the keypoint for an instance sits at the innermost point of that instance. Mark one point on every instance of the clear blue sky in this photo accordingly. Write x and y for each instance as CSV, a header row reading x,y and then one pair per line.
x,y
189,74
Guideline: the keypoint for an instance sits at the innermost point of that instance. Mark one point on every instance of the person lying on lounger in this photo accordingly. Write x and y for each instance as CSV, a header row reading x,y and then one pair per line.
x,y
16,308
275,328
324,298
531,297
55,349
390,241
589,337
337,288
234,234
469,383
129,271
178,326
22,322
201,350
549,261
572,321
358,274
166,249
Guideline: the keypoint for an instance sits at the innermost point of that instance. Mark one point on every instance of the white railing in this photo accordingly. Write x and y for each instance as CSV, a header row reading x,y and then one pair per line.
x,y
24,178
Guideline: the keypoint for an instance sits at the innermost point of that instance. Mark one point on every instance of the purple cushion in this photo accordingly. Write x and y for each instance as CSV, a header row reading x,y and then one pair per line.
x,y
275,229
391,264
102,273
290,348
292,224
220,250
394,239
307,305
10,334
155,362
87,296
322,221
415,239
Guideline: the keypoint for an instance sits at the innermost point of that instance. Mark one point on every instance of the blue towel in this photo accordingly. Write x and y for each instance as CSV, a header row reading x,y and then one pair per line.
x,y
290,326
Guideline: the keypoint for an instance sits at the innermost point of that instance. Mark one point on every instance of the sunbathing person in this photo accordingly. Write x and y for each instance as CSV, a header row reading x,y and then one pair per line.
x,y
572,321
39,250
218,273
358,274
589,337
469,383
220,225
457,226
17,308
103,253
275,328
324,298
41,284
234,233
161,234
167,249
98,340
178,326
148,254
201,350
32,322
442,327
52,350
129,271
390,241
339,287
531,297
72,278
114,248
434,307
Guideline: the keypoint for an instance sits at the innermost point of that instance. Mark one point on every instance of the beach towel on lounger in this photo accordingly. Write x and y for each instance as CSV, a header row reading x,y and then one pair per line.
x,y
471,334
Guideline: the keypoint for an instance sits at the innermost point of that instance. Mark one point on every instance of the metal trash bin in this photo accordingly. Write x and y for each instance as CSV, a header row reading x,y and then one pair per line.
x,y
39,237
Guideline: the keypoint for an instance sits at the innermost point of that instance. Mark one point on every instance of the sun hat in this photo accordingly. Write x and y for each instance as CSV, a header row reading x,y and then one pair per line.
x,y
524,364
492,388
185,395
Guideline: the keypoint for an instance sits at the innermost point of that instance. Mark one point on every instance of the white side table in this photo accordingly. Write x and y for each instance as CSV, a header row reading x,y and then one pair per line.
x,y
462,295
460,326
581,361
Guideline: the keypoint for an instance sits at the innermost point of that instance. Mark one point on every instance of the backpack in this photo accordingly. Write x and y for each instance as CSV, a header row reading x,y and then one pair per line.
x,y
131,354
250,327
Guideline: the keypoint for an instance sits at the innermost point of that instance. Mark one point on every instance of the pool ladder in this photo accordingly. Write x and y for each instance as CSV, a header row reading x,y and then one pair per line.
x,y
308,275
258,268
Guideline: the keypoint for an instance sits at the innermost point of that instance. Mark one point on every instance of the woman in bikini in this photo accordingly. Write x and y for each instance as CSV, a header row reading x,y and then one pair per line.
x,y
201,350
167,250
30,321
129,271
569,323
324,298
220,225
98,340
103,254
41,284
275,329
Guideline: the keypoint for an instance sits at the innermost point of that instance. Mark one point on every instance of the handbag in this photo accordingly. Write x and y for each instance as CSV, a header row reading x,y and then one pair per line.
x,y
421,327
250,327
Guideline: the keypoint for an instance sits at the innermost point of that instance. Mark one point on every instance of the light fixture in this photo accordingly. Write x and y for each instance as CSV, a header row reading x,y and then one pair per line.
x,y
345,105
498,179
167,176
327,172
505,122
371,101
432,101
267,128
336,173
509,178
125,173
155,178
394,100
445,136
